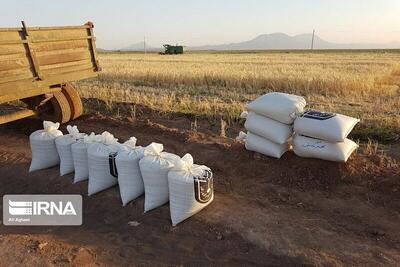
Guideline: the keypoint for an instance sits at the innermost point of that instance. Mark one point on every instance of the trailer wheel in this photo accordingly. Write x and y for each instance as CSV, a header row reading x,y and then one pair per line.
x,y
59,109
73,99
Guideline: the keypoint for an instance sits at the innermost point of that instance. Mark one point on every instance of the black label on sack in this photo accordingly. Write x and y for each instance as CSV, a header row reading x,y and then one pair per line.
x,y
317,115
203,187
113,166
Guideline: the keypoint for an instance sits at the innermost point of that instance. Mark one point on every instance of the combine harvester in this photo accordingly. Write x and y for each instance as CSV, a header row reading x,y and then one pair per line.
x,y
37,66
172,50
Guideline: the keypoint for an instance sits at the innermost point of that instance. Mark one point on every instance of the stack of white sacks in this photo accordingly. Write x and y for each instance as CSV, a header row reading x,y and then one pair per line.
x,y
323,135
269,123
315,134
163,177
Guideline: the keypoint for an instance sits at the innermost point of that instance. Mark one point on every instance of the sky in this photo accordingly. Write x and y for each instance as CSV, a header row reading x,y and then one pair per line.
x,y
120,23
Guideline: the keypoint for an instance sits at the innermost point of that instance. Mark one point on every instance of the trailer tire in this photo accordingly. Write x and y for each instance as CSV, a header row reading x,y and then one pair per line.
x,y
74,100
60,110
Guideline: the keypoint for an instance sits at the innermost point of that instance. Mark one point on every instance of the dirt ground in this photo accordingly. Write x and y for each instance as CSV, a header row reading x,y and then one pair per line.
x,y
269,212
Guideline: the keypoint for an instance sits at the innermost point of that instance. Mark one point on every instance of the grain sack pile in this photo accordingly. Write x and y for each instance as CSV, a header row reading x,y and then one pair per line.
x,y
324,135
130,179
64,148
190,189
101,174
269,123
43,146
80,156
154,167
105,162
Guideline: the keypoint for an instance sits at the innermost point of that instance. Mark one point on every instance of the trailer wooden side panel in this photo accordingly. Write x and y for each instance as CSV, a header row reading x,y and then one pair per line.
x,y
60,45
40,57
12,49
45,35
11,35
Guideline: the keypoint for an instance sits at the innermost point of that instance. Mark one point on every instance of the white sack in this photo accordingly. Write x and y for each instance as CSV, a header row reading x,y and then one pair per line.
x,y
100,177
190,189
154,168
130,179
80,156
244,114
241,136
43,146
326,126
264,146
270,129
63,144
278,106
315,148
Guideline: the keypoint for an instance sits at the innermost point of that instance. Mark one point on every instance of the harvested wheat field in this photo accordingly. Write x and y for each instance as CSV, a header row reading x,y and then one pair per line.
x,y
271,212
362,84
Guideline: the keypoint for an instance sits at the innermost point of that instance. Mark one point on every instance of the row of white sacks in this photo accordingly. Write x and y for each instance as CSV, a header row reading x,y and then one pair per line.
x,y
277,122
161,176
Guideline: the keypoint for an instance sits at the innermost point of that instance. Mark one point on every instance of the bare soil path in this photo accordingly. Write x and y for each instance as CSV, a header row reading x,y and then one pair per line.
x,y
269,212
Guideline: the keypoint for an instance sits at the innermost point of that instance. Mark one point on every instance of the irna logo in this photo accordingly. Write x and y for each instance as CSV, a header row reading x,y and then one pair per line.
x,y
41,208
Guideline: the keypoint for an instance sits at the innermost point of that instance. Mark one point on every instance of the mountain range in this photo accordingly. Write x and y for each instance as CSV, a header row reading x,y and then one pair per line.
x,y
275,41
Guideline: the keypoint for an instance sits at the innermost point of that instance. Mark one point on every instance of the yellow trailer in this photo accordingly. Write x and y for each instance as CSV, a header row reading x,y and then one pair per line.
x,y
37,65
